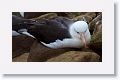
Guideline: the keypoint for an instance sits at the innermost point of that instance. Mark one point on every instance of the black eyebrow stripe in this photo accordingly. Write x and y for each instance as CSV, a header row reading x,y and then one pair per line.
x,y
75,30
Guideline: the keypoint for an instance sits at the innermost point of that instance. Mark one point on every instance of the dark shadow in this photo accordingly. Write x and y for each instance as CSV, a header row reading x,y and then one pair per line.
x,y
115,38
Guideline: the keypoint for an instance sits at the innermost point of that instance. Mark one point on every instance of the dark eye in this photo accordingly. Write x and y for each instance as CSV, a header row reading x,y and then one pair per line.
x,y
78,32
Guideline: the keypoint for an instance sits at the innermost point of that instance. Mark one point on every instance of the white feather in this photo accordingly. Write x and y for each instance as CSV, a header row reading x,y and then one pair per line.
x,y
14,33
22,14
24,31
28,34
64,43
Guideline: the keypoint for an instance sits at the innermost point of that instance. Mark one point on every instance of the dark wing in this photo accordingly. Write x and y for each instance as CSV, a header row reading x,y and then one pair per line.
x,y
66,22
49,31
20,23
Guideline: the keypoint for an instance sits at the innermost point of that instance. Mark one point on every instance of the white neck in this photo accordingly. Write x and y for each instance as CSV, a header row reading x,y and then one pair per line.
x,y
72,32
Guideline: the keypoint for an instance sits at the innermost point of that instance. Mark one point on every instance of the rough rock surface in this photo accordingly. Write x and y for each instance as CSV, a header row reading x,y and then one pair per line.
x,y
91,14
96,38
39,52
30,15
96,43
83,18
21,58
98,27
92,24
46,16
76,56
21,44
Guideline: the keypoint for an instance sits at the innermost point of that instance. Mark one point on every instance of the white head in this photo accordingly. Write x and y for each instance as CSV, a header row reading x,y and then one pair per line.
x,y
79,29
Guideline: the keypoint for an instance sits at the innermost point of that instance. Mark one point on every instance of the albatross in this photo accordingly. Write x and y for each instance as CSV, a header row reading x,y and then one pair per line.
x,y
77,36
55,34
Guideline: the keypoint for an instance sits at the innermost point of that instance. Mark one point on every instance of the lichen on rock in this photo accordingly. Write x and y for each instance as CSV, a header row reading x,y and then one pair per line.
x,y
46,16
96,43
93,22
76,56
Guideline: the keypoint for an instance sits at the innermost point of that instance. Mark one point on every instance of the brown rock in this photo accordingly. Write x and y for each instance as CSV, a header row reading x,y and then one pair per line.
x,y
82,17
98,27
76,56
30,15
70,14
66,14
21,44
93,23
98,13
46,16
21,58
96,43
40,53
83,13
91,14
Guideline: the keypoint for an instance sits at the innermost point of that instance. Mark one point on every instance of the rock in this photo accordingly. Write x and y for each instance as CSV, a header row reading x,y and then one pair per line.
x,y
40,53
96,40
82,13
96,43
93,23
99,13
91,14
98,27
76,56
21,58
70,14
46,16
65,14
30,15
21,44
82,17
